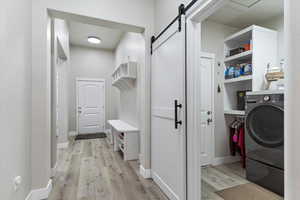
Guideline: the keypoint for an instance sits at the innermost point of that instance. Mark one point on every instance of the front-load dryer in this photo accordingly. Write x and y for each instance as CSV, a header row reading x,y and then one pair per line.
x,y
265,139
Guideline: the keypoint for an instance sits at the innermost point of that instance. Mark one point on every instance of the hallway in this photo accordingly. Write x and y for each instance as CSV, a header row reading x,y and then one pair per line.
x,y
90,170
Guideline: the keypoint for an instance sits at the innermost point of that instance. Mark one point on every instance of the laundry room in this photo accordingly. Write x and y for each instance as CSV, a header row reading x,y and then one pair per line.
x,y
241,109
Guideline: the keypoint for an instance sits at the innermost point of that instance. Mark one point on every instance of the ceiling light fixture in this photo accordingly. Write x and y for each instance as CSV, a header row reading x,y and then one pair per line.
x,y
94,40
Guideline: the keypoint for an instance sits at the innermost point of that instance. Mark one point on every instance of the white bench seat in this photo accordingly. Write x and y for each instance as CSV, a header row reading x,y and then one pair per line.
x,y
122,126
125,138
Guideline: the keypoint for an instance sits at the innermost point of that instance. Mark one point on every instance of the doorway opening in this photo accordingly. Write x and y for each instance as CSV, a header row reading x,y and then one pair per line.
x,y
247,41
99,70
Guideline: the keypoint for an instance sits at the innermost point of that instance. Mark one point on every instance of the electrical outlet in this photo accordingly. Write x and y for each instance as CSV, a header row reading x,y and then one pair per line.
x,y
17,183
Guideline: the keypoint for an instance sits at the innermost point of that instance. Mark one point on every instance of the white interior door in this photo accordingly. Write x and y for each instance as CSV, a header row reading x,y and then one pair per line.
x,y
90,106
205,83
168,163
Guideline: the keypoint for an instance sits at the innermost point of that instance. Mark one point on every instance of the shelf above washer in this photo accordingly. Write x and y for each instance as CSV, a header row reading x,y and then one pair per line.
x,y
234,112
240,56
239,79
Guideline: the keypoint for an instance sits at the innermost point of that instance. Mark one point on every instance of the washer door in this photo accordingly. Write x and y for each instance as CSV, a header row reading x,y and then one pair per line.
x,y
265,125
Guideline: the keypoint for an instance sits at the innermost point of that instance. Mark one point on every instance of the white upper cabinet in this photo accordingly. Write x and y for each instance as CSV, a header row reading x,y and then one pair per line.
x,y
125,75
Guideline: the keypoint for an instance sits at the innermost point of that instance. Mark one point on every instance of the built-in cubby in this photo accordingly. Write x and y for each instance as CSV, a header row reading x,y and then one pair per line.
x,y
124,75
254,47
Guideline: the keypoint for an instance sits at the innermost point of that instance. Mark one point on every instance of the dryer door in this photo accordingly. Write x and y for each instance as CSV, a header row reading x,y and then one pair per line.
x,y
265,125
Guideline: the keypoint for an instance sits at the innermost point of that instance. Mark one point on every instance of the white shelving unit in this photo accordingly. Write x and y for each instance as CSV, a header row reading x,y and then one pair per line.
x,y
241,56
241,78
263,53
124,75
126,139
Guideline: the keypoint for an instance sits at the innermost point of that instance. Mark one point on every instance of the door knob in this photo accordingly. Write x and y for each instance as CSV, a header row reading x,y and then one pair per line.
x,y
79,111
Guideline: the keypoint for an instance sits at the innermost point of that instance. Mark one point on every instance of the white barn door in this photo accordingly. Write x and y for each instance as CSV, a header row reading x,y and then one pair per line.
x,y
168,151
90,106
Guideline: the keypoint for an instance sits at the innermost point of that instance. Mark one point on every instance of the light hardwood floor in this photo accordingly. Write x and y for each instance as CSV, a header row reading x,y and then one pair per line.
x,y
217,178
90,170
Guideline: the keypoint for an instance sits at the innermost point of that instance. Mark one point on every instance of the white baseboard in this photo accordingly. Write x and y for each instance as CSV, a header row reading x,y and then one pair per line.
x,y
145,173
63,145
73,133
29,196
164,187
225,160
40,194
53,170
109,136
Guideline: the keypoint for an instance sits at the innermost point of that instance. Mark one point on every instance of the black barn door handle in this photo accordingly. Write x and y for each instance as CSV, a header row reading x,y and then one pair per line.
x,y
176,114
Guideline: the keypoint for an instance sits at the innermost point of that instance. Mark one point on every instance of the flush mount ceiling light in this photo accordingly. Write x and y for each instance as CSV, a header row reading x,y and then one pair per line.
x,y
94,40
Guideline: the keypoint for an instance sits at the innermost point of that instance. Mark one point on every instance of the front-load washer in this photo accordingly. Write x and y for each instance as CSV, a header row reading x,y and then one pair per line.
x,y
265,139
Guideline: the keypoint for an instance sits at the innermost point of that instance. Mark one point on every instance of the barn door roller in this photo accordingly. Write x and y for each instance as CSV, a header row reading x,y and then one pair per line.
x,y
181,11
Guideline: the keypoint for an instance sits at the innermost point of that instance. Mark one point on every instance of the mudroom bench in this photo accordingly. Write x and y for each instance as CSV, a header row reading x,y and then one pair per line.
x,y
125,138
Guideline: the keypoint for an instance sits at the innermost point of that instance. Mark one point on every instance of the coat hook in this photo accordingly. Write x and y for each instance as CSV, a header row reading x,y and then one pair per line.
x,y
219,88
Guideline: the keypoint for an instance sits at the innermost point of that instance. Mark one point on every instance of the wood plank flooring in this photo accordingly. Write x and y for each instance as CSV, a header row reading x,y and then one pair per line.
x,y
217,178
90,170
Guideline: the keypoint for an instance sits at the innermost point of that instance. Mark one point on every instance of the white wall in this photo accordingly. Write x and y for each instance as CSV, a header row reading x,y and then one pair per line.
x,y
15,98
277,23
213,35
292,95
132,48
92,63
134,12
62,66
165,12
60,48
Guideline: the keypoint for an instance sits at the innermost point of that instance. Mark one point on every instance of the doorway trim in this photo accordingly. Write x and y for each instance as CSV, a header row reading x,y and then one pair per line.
x,y
41,67
212,146
77,93
201,11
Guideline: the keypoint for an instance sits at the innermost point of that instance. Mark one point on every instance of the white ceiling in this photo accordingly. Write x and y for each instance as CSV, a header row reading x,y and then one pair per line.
x,y
242,13
79,34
